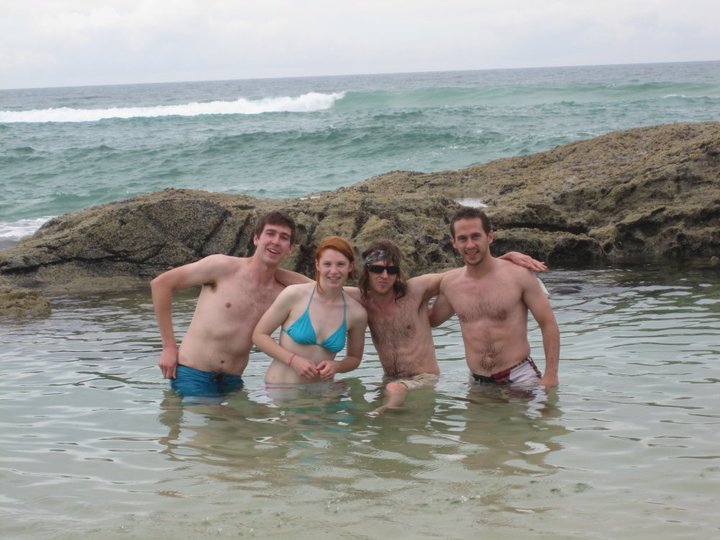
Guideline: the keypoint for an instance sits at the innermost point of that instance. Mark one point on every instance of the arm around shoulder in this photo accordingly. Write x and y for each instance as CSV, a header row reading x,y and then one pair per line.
x,y
524,260
288,277
442,309
428,284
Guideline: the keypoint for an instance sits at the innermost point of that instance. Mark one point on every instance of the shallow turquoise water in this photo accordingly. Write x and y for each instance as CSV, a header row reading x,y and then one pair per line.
x,y
628,446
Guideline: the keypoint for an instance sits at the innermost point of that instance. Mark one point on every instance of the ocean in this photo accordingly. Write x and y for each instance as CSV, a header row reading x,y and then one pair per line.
x,y
63,149
95,444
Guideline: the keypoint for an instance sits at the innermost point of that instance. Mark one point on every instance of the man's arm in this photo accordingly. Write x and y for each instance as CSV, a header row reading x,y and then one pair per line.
x,y
429,284
162,287
541,310
353,292
525,261
441,310
288,277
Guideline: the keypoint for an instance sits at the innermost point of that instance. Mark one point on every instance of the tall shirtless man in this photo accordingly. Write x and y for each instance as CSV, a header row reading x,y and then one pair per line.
x,y
492,298
235,293
399,319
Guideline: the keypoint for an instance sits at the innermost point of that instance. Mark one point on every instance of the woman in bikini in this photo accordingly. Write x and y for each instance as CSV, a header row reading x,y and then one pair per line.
x,y
317,320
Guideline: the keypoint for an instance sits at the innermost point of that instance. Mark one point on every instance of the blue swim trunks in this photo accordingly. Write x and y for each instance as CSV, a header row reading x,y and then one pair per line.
x,y
191,382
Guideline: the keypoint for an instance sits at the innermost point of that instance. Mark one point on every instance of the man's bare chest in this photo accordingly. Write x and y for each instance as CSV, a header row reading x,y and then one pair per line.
x,y
493,303
396,321
243,300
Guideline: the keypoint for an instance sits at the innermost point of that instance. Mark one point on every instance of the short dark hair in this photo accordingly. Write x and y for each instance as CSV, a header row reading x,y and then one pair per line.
x,y
276,217
469,212
382,250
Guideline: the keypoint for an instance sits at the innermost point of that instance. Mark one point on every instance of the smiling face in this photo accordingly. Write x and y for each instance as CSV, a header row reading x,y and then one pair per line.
x,y
273,244
332,268
471,241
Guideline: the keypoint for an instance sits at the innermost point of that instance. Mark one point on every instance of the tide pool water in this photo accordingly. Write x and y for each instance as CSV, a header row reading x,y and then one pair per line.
x,y
63,149
94,444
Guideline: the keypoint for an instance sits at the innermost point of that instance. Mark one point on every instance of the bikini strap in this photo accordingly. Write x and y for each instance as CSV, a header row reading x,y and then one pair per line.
x,y
311,297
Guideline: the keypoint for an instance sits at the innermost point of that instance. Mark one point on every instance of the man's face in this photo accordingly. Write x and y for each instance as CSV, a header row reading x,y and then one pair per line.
x,y
471,241
273,244
381,279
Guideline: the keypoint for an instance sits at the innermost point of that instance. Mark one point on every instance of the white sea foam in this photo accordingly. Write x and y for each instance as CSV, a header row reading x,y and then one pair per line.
x,y
310,102
475,203
11,232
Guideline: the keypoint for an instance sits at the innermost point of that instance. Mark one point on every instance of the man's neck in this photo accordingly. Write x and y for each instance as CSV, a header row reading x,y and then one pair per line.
x,y
482,269
384,299
260,272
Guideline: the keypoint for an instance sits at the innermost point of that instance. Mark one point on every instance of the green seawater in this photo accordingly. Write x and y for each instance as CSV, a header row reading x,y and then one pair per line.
x,y
63,149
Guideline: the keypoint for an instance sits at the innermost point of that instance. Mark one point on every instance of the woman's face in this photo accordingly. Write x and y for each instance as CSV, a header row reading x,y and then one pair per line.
x,y
333,268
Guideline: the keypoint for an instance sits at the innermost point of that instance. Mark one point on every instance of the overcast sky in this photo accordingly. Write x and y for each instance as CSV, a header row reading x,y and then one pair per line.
x,y
86,42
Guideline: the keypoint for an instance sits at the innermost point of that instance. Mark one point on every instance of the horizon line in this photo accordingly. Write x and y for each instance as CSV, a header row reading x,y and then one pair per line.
x,y
327,76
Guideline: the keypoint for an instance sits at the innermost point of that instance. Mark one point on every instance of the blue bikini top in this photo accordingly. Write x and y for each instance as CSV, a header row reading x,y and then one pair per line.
x,y
303,333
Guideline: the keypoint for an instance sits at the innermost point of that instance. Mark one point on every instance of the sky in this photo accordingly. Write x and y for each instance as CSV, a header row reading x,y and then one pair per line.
x,y
46,43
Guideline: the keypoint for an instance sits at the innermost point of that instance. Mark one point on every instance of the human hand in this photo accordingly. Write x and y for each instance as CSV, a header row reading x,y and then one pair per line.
x,y
168,362
549,380
305,368
525,261
327,370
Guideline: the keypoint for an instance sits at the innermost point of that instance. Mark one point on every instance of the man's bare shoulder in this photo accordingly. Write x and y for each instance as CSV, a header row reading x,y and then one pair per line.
x,y
224,264
517,271
224,260
451,277
425,281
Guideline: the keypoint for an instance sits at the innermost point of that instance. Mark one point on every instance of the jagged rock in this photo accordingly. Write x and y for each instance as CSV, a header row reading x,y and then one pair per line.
x,y
16,302
625,197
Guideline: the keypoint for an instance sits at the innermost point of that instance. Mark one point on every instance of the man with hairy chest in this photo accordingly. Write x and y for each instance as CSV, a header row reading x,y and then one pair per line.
x,y
398,317
492,298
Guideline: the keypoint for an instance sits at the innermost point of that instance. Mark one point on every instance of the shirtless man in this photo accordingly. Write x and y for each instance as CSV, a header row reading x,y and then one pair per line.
x,y
491,298
235,293
399,320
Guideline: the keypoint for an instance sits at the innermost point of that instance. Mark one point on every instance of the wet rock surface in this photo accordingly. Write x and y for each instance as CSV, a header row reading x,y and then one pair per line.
x,y
645,194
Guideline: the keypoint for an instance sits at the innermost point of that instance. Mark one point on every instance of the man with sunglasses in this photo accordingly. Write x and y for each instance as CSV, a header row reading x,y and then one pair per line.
x,y
399,320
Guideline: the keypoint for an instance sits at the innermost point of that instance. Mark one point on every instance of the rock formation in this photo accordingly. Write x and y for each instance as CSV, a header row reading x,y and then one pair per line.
x,y
627,197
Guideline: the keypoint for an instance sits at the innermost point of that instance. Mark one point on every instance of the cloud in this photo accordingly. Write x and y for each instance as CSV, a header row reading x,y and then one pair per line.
x,y
71,42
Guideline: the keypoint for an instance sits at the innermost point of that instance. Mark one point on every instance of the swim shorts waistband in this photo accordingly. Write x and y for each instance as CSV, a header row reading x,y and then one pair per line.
x,y
504,376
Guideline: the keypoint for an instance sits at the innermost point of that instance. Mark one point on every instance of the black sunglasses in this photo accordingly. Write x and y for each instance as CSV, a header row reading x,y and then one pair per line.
x,y
379,269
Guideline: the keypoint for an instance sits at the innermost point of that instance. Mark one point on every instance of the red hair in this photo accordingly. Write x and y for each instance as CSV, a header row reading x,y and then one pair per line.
x,y
340,245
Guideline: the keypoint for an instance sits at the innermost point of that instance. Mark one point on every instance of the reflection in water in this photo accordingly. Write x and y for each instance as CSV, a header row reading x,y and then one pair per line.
x,y
321,437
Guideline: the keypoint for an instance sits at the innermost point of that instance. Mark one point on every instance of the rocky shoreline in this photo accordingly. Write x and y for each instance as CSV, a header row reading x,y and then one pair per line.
x,y
627,197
